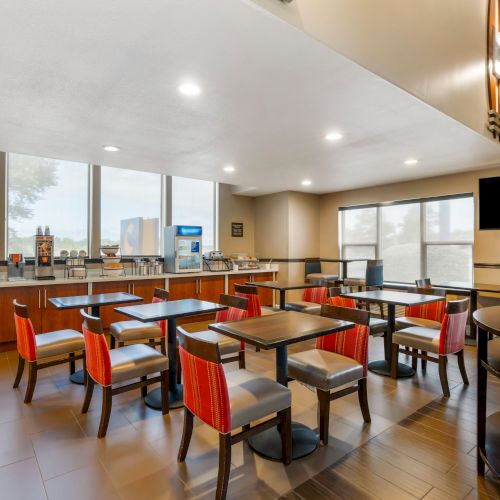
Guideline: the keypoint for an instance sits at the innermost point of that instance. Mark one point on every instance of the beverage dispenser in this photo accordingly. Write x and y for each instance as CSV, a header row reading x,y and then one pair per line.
x,y
183,249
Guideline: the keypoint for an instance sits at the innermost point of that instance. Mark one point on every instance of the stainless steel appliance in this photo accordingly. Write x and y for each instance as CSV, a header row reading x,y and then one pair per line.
x,y
15,267
182,249
44,257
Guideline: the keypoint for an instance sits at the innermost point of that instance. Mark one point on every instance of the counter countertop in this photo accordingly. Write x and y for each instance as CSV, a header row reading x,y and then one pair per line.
x,y
92,278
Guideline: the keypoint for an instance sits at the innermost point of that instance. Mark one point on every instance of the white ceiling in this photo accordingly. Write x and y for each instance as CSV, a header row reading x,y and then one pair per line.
x,y
77,75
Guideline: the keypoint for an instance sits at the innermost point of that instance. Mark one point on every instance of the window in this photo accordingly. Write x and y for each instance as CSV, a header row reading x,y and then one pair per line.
x,y
193,204
131,210
45,192
421,238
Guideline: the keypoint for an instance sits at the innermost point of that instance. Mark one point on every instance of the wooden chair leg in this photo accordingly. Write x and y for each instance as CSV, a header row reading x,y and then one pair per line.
x,y
106,411
164,392
443,376
286,436
163,346
20,370
224,466
112,342
151,343
144,388
32,373
461,366
121,344
179,368
414,360
72,367
85,372
89,390
241,360
363,399
186,435
394,364
324,414
424,361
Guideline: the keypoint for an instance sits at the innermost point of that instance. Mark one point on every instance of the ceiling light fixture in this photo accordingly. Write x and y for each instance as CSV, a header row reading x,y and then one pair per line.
x,y
333,136
306,182
111,149
229,168
189,89
411,161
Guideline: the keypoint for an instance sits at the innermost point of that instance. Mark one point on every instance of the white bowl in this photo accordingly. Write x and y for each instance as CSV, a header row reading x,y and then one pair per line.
x,y
111,250
111,260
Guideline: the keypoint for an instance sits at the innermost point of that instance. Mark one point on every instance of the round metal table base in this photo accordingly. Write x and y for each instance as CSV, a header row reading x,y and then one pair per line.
x,y
78,377
268,443
383,368
175,399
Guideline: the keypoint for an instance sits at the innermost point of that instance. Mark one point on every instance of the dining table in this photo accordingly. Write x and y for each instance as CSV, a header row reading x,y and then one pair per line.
x,y
169,311
392,299
277,332
95,302
282,287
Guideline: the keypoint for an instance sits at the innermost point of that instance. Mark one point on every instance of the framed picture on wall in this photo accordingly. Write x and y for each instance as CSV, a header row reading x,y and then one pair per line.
x,y
237,229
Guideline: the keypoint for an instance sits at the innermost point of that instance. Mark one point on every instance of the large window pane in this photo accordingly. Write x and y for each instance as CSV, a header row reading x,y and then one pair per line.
x,y
358,269
360,226
131,210
400,242
449,263
450,220
45,192
193,204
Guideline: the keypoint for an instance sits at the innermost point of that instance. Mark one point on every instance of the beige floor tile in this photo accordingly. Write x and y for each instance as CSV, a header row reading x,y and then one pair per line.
x,y
21,481
15,444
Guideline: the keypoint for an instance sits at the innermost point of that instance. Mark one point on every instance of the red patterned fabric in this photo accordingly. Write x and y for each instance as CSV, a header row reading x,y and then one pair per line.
x,y
25,334
232,314
352,343
205,391
452,336
342,302
317,295
163,323
433,311
97,357
254,307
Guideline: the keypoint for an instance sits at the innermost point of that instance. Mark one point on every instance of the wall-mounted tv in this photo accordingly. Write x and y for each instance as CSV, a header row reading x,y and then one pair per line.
x,y
489,203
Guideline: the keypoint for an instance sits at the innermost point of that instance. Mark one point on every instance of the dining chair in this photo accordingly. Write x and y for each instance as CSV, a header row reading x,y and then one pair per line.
x,y
107,368
450,339
312,270
229,402
312,298
36,348
423,283
251,293
339,360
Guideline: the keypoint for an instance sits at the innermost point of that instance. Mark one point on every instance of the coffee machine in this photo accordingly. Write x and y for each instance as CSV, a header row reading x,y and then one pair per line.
x,y
15,267
44,257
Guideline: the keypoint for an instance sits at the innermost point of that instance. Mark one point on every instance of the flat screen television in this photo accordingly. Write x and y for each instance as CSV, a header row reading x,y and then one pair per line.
x,y
489,203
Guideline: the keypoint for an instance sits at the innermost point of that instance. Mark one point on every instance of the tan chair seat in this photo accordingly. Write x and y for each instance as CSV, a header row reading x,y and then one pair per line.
x,y
324,369
494,354
322,276
59,342
304,307
418,337
135,361
268,310
377,326
227,345
253,397
409,321
124,331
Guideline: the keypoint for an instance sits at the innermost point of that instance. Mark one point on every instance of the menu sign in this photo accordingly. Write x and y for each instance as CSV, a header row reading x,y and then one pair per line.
x,y
237,229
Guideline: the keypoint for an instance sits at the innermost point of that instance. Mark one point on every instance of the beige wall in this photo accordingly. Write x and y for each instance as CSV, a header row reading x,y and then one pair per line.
x,y
434,49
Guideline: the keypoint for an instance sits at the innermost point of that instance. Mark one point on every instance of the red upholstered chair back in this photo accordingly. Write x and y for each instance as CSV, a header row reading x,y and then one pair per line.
x,y
96,349
237,308
250,293
161,295
433,311
25,333
352,343
317,295
452,336
335,298
205,387
423,283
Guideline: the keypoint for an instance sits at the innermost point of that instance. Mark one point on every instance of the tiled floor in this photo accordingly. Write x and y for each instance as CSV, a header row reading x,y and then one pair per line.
x,y
49,450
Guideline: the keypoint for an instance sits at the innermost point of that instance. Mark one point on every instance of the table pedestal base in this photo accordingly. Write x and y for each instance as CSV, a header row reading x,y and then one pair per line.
x,y
175,398
268,443
78,377
383,368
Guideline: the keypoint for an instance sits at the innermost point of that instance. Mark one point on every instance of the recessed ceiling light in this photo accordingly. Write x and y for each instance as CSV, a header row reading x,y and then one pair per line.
x,y
306,182
189,89
111,149
333,136
229,168
411,161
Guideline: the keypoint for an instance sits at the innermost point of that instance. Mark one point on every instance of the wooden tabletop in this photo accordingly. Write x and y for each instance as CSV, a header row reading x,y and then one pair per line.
x,y
283,285
158,311
283,328
488,318
100,299
395,298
